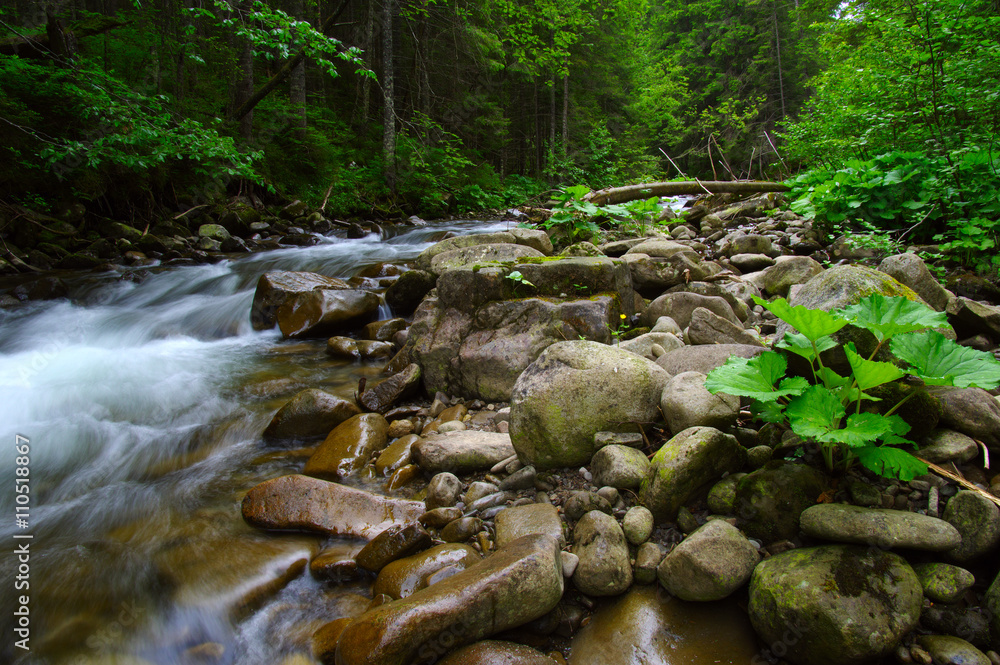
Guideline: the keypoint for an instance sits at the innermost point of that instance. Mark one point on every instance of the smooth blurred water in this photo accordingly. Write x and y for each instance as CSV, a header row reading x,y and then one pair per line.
x,y
142,403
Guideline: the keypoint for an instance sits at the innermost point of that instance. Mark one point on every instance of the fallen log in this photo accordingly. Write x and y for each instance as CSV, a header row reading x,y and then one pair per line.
x,y
645,190
57,41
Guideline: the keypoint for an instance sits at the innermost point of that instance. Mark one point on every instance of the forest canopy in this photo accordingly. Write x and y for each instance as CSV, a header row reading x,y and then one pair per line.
x,y
403,106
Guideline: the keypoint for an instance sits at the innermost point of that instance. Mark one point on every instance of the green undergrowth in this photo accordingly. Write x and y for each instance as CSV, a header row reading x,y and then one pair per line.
x,y
839,413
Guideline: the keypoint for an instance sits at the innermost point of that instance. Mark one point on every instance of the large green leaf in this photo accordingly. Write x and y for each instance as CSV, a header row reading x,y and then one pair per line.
x,y
890,462
861,429
754,377
889,316
813,323
815,412
800,345
869,373
941,362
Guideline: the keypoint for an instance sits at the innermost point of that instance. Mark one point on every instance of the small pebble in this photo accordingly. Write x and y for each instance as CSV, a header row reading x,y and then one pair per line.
x,y
920,656
569,563
609,493
932,502
585,474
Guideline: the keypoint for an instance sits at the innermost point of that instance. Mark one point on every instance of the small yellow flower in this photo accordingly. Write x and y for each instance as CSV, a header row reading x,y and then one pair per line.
x,y
623,317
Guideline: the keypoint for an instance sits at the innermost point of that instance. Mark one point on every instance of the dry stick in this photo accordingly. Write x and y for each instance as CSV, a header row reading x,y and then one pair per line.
x,y
178,216
753,150
326,197
711,162
672,162
723,156
775,150
960,480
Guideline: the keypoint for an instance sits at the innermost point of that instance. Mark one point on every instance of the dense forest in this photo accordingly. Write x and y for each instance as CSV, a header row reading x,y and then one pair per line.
x,y
880,113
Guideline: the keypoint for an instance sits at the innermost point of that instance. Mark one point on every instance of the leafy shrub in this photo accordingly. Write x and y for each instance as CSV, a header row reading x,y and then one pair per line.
x,y
828,410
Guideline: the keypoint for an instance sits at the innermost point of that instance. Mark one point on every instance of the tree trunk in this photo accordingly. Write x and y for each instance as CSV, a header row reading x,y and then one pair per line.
x,y
243,90
366,81
297,82
777,48
565,115
646,190
388,99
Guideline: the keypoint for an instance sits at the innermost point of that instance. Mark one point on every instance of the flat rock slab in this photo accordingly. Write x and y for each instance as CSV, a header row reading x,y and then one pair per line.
x,y
462,452
298,502
515,585
519,521
880,527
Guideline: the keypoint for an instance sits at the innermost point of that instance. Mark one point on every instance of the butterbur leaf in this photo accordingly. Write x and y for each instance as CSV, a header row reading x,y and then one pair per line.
x,y
768,412
890,462
861,429
801,346
753,377
815,412
886,317
812,323
941,362
870,373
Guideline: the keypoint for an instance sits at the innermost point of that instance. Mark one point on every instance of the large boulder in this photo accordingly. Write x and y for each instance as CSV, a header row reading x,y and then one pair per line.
x,y
515,585
692,458
468,288
325,312
277,287
480,254
786,273
711,563
574,390
299,502
404,295
652,275
971,411
974,318
769,501
834,605
309,414
977,519
519,237
911,270
482,354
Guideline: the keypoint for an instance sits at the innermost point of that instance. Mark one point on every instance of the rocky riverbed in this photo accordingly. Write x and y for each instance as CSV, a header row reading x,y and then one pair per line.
x,y
540,475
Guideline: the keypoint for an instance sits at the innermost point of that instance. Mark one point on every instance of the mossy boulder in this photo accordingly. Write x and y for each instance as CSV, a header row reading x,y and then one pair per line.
x,y
574,390
692,458
834,605
769,500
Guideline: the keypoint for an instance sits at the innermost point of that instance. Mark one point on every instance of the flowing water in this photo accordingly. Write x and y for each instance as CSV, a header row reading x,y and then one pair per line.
x,y
142,400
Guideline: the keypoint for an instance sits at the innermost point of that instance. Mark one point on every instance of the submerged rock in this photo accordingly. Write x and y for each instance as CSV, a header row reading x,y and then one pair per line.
x,y
647,626
515,585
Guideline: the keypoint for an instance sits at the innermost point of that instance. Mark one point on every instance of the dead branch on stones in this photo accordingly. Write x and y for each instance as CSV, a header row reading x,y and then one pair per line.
x,y
646,190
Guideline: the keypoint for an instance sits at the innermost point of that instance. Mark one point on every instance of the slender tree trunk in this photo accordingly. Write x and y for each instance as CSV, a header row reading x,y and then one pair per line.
x,y
244,77
565,115
366,81
297,82
388,101
777,48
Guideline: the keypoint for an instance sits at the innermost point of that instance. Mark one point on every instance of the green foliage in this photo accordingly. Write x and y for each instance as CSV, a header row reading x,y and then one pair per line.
x,y
819,411
574,217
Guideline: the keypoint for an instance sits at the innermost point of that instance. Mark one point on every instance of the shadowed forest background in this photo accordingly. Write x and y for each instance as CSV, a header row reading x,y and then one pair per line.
x,y
883,114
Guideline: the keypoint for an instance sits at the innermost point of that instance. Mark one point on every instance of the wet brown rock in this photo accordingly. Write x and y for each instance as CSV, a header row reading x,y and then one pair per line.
x,y
380,397
358,349
396,455
515,585
519,521
349,447
310,413
495,652
394,543
462,452
324,312
298,502
275,288
403,577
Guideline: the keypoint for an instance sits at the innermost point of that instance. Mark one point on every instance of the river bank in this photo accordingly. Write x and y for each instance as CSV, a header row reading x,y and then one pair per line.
x,y
158,510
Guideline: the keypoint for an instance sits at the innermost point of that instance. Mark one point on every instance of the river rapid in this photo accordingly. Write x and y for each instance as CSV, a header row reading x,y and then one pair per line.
x,y
140,401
